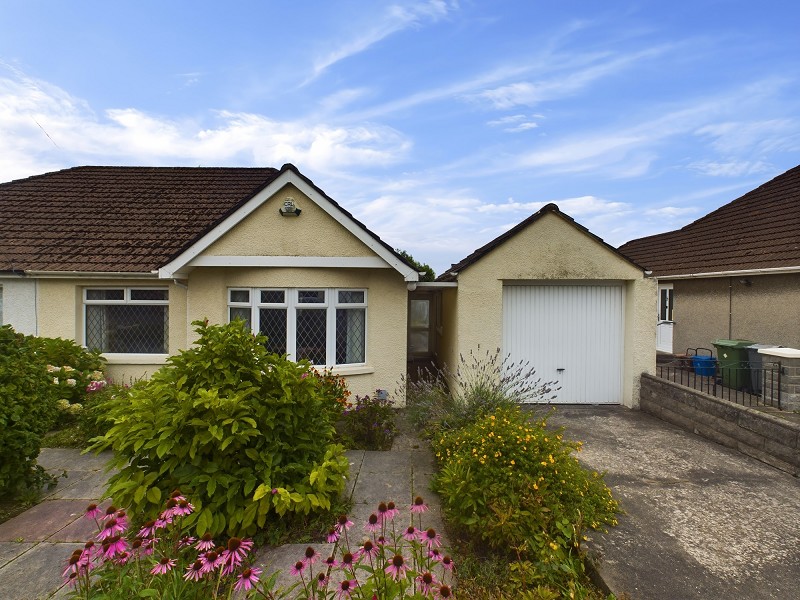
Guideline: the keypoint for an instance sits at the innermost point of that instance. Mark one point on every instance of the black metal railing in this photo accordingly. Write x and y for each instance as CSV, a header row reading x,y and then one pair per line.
x,y
748,384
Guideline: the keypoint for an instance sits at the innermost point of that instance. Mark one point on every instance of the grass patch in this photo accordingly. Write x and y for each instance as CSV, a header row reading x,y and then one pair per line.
x,y
71,436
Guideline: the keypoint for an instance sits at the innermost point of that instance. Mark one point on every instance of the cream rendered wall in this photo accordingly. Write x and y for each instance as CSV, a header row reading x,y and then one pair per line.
x,y
551,249
60,311
386,311
266,233
313,233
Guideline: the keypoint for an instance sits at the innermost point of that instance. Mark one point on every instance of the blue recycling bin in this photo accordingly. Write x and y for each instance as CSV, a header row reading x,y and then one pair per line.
x,y
705,366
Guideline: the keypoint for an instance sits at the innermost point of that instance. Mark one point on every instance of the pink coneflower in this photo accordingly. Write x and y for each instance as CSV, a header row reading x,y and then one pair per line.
x,y
411,533
122,518
331,562
381,541
322,580
211,560
430,538
92,512
435,555
72,580
111,510
114,545
397,567
111,527
186,541
333,536
367,549
182,509
444,591
206,543
74,563
419,505
346,588
392,510
247,578
373,523
147,530
347,560
88,551
194,572
343,523
426,582
447,563
383,512
176,495
298,568
122,558
237,550
311,556
163,566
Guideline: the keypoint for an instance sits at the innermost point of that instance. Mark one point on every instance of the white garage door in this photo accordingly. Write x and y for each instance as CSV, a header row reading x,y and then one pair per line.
x,y
572,334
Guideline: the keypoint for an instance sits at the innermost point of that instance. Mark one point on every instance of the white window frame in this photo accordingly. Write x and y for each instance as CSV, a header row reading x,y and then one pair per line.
x,y
292,304
125,357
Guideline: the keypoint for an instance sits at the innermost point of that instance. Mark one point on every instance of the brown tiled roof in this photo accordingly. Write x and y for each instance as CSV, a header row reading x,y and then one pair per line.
x,y
759,230
452,273
121,219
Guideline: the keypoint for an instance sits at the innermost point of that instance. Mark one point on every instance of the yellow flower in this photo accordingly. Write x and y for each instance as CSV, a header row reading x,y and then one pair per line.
x,y
512,462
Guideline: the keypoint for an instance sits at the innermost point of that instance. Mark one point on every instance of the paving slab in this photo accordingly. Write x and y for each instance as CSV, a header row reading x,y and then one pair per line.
x,y
42,521
86,485
11,550
36,574
701,520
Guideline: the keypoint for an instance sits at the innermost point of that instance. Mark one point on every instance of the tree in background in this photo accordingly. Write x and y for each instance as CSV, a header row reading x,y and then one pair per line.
x,y
428,273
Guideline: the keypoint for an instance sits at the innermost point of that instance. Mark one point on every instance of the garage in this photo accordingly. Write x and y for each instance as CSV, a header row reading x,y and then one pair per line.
x,y
570,333
550,292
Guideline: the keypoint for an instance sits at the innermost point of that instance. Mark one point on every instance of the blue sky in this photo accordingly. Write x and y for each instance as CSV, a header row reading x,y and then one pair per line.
x,y
439,124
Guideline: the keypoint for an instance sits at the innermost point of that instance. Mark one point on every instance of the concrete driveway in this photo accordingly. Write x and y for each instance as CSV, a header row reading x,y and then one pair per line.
x,y
702,521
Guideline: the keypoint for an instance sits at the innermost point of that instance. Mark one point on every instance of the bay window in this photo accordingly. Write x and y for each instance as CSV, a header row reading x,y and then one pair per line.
x,y
326,326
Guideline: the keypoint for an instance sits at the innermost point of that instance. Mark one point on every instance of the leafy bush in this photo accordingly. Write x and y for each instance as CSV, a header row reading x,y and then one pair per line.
x,y
73,369
368,424
442,399
28,409
244,432
517,487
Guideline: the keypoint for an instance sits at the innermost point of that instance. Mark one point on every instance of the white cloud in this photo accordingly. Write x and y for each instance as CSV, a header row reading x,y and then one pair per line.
x,y
732,168
396,18
44,127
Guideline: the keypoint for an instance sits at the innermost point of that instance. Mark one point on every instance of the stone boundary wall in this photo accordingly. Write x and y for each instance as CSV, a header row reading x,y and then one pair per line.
x,y
769,439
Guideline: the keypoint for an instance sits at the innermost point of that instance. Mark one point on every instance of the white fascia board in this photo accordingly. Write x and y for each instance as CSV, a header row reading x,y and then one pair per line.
x,y
740,273
347,262
437,284
174,267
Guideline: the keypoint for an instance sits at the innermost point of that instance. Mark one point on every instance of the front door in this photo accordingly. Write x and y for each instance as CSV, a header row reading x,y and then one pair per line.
x,y
666,298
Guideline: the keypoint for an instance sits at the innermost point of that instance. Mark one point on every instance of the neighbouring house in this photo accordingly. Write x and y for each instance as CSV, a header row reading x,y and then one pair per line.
x,y
733,274
123,259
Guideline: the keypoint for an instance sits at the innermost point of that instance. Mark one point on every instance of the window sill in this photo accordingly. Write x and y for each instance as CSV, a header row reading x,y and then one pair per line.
x,y
352,370
136,359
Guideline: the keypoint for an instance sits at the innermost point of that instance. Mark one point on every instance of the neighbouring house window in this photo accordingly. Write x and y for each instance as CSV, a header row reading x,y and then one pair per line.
x,y
323,325
127,320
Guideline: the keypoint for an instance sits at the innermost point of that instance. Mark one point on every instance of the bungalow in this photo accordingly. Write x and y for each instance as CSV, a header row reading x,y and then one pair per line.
x,y
123,259
733,274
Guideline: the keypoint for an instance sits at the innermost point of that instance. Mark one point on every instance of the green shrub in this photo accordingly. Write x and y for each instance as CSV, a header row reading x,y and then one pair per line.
x,y
516,486
368,424
244,432
442,399
73,369
28,409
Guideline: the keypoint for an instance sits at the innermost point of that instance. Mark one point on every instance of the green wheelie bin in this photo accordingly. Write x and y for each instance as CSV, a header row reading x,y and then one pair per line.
x,y
732,360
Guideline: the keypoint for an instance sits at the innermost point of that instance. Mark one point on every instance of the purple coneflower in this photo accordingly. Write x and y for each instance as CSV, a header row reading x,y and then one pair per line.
x,y
186,541
447,562
343,524
346,588
435,555
194,572
373,523
430,538
211,560
298,568
419,505
111,527
247,578
122,558
92,511
206,543
182,509
114,545
381,541
311,556
74,563
426,581
72,579
237,550
322,580
163,566
397,567
392,510
333,536
383,512
347,560
148,529
444,591
411,533
331,562
368,549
